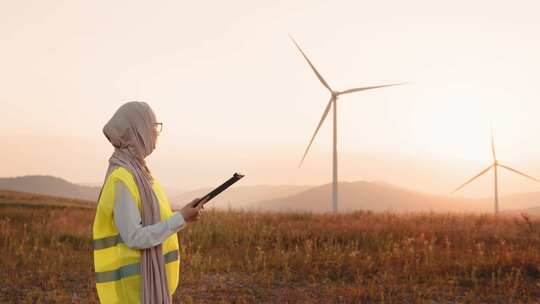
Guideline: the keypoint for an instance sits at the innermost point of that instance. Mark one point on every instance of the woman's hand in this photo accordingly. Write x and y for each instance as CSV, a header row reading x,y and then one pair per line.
x,y
190,213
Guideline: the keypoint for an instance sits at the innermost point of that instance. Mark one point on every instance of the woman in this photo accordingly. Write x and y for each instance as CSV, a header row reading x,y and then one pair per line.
x,y
136,255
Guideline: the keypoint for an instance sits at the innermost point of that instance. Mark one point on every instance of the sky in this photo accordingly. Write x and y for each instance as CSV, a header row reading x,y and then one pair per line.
x,y
234,94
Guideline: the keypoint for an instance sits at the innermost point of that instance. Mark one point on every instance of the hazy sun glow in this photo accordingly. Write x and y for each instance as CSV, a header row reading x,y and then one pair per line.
x,y
454,111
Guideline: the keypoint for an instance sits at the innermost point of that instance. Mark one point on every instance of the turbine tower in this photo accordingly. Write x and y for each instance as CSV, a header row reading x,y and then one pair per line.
x,y
495,166
332,103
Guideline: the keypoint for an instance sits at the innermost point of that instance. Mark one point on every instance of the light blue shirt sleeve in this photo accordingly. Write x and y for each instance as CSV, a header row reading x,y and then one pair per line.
x,y
128,221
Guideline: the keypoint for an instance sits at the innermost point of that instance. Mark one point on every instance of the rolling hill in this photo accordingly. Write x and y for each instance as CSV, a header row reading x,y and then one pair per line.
x,y
375,196
49,185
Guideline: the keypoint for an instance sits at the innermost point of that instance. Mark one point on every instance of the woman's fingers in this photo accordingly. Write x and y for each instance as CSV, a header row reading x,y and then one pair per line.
x,y
192,212
199,210
194,201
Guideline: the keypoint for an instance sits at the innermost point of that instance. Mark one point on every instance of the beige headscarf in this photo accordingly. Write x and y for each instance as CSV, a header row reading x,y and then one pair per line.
x,y
131,132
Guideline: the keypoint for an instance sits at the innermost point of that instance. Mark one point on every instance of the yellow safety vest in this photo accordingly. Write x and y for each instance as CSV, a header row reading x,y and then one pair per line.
x,y
117,266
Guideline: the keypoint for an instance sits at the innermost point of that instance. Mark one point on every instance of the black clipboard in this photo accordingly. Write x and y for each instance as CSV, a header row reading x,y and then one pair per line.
x,y
236,177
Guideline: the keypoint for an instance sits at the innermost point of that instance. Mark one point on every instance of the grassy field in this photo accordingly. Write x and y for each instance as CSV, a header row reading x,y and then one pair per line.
x,y
245,257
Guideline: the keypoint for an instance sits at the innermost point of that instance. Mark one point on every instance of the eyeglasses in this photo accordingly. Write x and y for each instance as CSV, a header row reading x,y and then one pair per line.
x,y
158,126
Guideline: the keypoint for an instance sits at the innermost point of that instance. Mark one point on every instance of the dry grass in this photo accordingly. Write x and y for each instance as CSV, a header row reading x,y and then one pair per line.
x,y
245,257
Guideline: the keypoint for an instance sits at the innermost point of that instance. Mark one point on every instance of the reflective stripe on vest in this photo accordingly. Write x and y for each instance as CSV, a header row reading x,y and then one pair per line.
x,y
107,242
130,270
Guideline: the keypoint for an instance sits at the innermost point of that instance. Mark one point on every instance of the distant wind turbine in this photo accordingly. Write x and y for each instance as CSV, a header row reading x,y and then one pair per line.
x,y
333,102
495,166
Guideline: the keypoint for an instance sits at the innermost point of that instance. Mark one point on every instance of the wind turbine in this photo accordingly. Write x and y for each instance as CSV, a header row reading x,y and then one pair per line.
x,y
495,166
333,102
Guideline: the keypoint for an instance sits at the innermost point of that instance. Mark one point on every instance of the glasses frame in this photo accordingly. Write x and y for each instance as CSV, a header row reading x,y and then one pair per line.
x,y
158,127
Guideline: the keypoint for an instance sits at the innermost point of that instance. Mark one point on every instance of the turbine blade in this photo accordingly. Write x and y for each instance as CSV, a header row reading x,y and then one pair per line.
x,y
325,113
312,66
493,145
475,177
370,88
520,173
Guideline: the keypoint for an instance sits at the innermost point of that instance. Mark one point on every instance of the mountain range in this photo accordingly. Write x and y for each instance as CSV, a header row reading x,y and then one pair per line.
x,y
359,195
374,196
